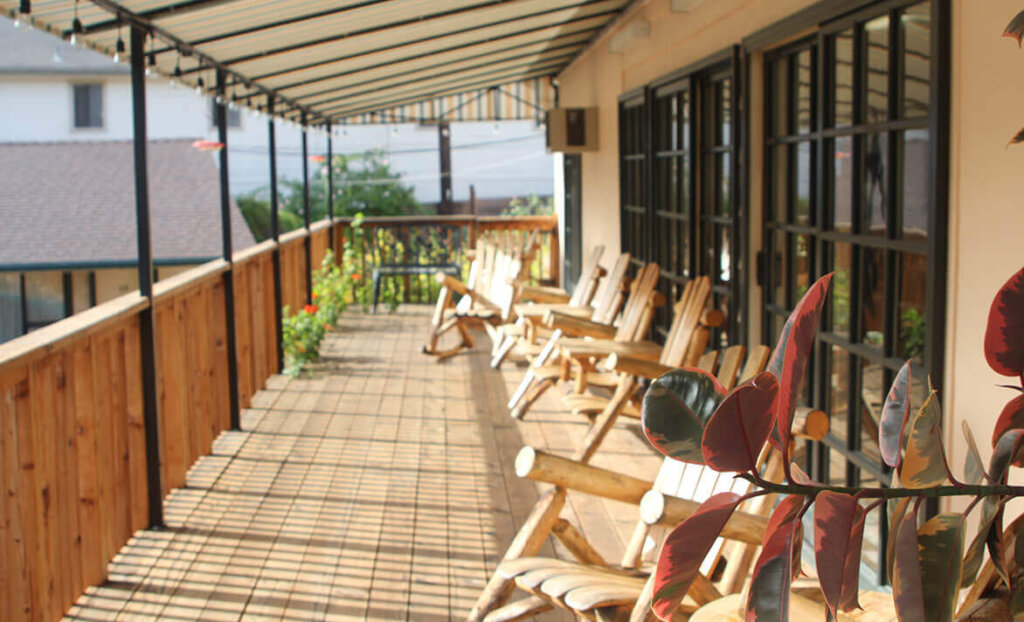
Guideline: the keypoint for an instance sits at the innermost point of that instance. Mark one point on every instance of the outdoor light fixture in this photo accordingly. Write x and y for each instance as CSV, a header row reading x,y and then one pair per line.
x,y
199,86
119,48
207,145
177,74
76,26
24,10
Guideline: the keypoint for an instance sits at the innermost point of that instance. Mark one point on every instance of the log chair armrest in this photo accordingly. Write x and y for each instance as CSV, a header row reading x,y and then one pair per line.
x,y
603,348
452,283
637,366
541,466
810,423
659,509
712,318
538,293
578,327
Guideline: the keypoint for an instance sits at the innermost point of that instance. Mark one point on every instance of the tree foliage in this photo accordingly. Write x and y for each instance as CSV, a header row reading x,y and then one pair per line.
x,y
363,184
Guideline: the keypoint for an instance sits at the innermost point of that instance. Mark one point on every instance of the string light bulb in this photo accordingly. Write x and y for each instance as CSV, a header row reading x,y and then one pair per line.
x,y
76,26
24,12
200,86
119,47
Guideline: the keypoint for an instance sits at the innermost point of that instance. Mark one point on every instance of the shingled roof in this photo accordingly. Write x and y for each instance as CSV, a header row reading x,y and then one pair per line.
x,y
73,204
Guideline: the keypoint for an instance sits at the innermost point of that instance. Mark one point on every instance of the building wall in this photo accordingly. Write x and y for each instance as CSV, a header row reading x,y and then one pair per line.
x,y
985,218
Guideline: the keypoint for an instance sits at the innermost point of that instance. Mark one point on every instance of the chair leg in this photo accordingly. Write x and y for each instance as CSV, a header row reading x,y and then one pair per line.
x,y
444,301
376,290
528,540
536,390
502,352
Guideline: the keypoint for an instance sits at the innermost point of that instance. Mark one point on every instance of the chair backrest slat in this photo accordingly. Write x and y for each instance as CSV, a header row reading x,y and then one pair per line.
x,y
686,321
635,317
611,293
590,274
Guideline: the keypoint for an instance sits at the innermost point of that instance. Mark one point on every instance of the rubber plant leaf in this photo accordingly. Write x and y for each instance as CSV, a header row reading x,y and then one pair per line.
x,y
895,414
923,462
1007,450
1012,417
896,514
940,544
1017,138
1004,337
789,360
851,574
676,408
835,516
989,609
685,549
739,427
975,552
768,600
974,467
907,590
1015,29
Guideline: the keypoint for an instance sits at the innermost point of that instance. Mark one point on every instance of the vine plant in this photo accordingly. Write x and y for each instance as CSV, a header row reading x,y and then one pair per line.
x,y
688,417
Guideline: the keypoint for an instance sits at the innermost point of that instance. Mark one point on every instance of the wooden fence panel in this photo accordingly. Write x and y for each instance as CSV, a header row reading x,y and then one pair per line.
x,y
69,442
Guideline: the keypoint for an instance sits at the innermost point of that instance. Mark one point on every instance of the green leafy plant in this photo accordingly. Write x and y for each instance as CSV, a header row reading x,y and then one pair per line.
x,y
687,418
301,334
533,205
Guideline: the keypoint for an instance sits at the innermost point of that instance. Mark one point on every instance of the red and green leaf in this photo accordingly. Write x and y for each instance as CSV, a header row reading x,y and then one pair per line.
x,y
896,514
895,414
974,468
676,409
835,517
746,412
924,463
789,361
975,552
1007,451
940,547
1004,337
1015,29
907,589
1011,418
768,600
685,549
851,574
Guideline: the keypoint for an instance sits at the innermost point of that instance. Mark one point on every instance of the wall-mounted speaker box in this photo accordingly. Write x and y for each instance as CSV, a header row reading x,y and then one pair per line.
x,y
572,130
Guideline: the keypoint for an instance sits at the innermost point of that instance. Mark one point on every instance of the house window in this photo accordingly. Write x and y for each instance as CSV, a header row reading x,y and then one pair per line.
x,y
88,103
849,189
633,200
684,216
234,115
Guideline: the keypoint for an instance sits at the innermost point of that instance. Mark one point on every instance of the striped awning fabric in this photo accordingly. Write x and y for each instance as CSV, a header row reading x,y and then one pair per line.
x,y
351,61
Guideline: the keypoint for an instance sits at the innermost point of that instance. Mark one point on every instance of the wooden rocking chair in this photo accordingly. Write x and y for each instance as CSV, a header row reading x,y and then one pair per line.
x,y
528,337
593,362
488,296
546,370
593,589
544,519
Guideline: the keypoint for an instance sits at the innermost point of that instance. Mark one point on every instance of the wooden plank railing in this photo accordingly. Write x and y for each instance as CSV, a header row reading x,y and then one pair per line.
x,y
428,239
73,461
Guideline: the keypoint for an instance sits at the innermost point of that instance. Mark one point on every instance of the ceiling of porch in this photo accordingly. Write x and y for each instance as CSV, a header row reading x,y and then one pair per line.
x,y
352,60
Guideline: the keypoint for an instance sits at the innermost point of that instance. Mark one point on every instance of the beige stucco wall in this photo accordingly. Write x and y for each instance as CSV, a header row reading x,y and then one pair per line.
x,y
986,178
986,215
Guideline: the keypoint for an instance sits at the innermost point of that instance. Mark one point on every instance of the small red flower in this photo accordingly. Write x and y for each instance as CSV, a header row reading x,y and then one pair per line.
x,y
318,158
357,277
315,295
311,309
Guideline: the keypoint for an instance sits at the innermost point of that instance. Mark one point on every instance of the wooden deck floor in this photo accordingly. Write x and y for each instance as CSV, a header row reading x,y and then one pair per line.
x,y
379,488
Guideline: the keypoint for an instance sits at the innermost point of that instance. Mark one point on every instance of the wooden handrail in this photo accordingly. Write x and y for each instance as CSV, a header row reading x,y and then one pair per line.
x,y
78,326
193,277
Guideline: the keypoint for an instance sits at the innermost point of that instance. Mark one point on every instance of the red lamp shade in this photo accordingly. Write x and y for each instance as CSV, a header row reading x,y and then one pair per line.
x,y
207,145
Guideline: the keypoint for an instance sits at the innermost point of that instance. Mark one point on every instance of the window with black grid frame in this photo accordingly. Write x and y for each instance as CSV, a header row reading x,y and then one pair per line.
x,y
684,125
849,189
